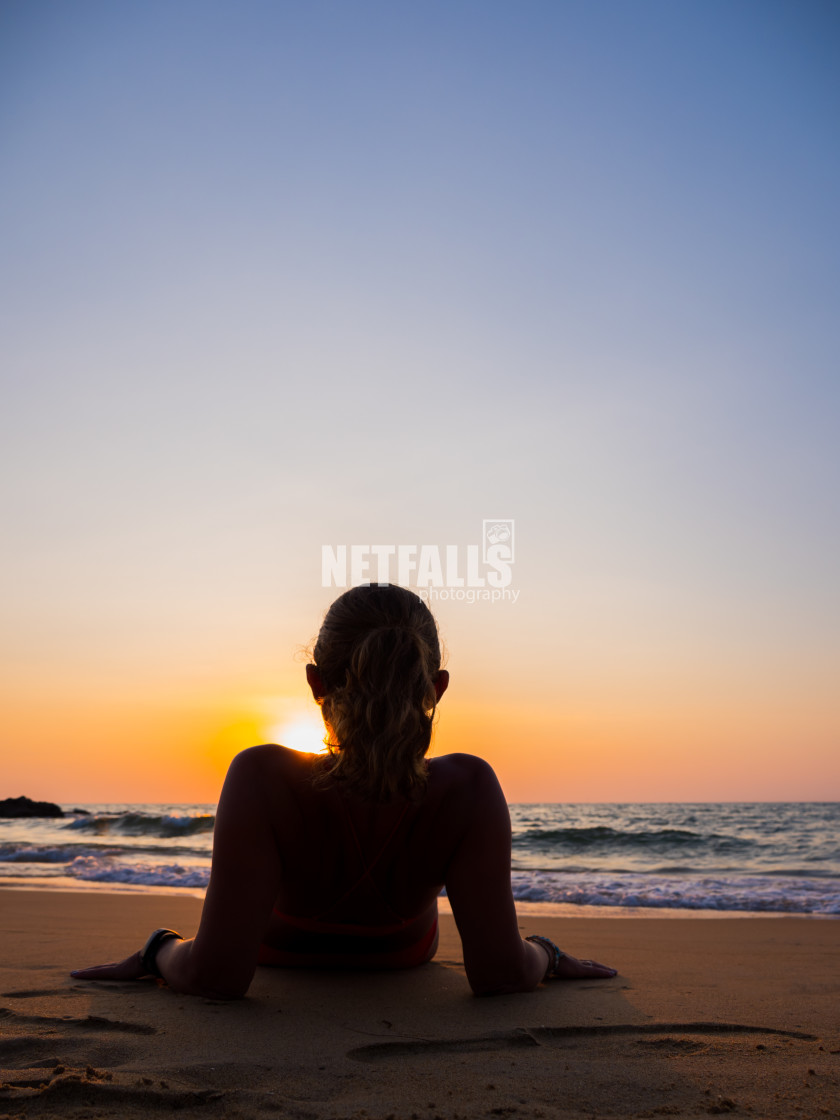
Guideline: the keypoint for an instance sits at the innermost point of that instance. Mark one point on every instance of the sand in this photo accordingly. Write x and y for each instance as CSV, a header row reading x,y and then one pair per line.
x,y
734,1016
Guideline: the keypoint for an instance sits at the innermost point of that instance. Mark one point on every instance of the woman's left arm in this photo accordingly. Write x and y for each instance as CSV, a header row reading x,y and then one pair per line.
x,y
220,961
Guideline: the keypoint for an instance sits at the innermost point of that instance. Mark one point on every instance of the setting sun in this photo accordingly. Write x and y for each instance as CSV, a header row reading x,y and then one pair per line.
x,y
304,732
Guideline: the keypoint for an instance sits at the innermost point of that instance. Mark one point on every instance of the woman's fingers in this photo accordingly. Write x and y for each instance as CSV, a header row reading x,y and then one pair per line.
x,y
129,969
570,968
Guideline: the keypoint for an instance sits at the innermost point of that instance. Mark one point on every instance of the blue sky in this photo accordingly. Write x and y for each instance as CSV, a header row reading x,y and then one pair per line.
x,y
277,275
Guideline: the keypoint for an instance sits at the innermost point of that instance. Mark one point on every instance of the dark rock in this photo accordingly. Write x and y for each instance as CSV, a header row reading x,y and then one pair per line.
x,y
23,807
79,813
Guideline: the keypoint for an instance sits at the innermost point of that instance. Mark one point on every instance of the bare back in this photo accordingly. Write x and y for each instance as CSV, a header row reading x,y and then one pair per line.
x,y
357,862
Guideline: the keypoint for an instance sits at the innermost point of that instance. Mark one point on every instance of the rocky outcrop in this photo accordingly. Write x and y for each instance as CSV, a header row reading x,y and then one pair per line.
x,y
24,807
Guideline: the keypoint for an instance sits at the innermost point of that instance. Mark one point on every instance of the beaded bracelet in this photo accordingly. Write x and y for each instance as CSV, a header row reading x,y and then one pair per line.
x,y
555,953
149,952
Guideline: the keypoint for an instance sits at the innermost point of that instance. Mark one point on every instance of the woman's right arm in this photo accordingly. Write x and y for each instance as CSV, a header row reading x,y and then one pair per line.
x,y
220,961
496,959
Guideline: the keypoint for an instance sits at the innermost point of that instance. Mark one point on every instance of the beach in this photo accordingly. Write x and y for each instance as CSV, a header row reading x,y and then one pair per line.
x,y
706,1017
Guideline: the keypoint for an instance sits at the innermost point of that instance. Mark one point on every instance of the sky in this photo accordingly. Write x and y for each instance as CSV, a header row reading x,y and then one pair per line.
x,y
280,276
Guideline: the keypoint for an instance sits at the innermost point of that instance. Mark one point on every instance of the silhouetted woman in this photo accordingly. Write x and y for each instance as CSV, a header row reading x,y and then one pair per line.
x,y
337,860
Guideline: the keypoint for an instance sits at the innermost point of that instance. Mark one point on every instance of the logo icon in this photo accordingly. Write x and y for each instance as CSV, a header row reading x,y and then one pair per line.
x,y
498,536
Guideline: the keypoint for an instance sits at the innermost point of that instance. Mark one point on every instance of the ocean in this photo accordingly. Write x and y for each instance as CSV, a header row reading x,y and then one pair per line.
x,y
640,859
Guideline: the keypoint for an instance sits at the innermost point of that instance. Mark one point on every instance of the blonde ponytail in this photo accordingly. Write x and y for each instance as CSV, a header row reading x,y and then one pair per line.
x,y
378,657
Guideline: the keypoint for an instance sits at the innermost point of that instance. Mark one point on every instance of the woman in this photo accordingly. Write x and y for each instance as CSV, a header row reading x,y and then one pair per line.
x,y
337,860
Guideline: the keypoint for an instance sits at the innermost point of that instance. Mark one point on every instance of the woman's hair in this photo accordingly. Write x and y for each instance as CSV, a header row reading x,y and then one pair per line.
x,y
378,658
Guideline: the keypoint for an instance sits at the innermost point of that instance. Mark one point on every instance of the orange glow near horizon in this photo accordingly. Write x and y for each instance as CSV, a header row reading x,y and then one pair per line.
x,y
304,733
149,744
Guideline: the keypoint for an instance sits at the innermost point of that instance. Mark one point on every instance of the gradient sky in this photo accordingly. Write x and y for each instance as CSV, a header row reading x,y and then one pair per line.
x,y
277,275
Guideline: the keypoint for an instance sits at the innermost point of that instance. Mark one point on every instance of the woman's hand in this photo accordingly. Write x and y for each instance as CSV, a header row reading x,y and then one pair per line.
x,y
129,969
570,968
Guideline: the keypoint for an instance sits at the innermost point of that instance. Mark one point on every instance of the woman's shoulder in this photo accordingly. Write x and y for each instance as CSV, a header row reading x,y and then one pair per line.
x,y
458,768
472,763
272,759
462,785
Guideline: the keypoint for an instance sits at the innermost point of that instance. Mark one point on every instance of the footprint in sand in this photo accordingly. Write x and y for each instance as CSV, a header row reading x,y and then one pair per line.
x,y
530,1037
90,1022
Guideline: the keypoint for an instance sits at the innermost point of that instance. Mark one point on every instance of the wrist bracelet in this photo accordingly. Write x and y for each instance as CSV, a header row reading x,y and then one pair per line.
x,y
149,952
556,954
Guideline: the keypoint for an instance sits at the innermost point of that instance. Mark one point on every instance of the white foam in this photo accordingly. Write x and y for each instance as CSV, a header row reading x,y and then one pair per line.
x,y
779,894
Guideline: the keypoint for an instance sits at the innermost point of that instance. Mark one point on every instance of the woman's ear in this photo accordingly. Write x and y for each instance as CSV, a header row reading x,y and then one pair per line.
x,y
313,678
441,683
